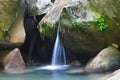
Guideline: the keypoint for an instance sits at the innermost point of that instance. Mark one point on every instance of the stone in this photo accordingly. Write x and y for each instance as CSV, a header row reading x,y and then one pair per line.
x,y
113,76
75,71
8,14
17,32
107,59
13,62
37,7
48,25
80,33
111,8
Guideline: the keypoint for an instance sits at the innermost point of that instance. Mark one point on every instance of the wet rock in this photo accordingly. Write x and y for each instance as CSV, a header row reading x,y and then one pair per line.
x,y
13,62
75,63
107,59
38,7
75,71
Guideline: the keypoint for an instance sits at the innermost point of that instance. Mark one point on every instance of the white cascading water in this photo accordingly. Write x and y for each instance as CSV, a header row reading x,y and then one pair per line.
x,y
58,61
58,57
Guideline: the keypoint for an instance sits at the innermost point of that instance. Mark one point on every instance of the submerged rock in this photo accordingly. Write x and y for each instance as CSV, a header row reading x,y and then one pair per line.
x,y
13,62
75,71
107,59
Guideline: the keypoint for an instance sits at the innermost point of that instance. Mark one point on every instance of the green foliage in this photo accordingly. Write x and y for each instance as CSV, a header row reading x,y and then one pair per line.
x,y
81,25
101,23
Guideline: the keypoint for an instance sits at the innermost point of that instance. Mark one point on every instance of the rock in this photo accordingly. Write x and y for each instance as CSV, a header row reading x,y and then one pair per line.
x,y
17,32
75,63
8,14
80,33
107,59
8,46
13,62
111,8
75,71
114,76
48,24
38,7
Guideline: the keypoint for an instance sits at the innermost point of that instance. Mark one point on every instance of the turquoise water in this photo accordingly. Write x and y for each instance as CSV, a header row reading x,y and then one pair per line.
x,y
49,75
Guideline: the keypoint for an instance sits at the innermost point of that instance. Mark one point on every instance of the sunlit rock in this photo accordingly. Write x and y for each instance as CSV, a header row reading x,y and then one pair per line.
x,y
48,24
107,59
13,62
17,32
38,7
113,76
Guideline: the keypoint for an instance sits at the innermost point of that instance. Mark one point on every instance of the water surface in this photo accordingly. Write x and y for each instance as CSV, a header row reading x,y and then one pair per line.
x,y
49,75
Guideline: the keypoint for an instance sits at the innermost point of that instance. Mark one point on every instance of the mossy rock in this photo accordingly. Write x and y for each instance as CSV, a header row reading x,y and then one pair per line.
x,y
110,8
47,26
86,38
8,14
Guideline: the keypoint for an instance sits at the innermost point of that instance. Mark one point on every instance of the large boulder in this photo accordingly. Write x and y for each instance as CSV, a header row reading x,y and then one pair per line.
x,y
113,76
81,34
11,24
107,59
84,30
13,62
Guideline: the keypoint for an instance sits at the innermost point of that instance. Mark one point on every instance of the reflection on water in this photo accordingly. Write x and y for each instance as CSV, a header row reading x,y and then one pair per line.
x,y
49,75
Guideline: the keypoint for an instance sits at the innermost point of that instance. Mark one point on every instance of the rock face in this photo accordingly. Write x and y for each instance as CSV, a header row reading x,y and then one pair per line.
x,y
37,7
8,12
48,24
17,32
107,59
80,33
13,62
111,8
12,32
114,76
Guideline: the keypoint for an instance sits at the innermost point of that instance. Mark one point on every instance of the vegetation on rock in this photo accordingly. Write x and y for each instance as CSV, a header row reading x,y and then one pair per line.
x,y
82,25
101,23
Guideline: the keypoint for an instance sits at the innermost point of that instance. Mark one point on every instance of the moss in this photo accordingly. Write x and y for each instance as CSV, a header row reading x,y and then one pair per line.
x,y
8,12
80,25
66,18
47,30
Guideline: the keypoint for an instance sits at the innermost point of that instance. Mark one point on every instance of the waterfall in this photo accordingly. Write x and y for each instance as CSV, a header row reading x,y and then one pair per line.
x,y
58,57
58,61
